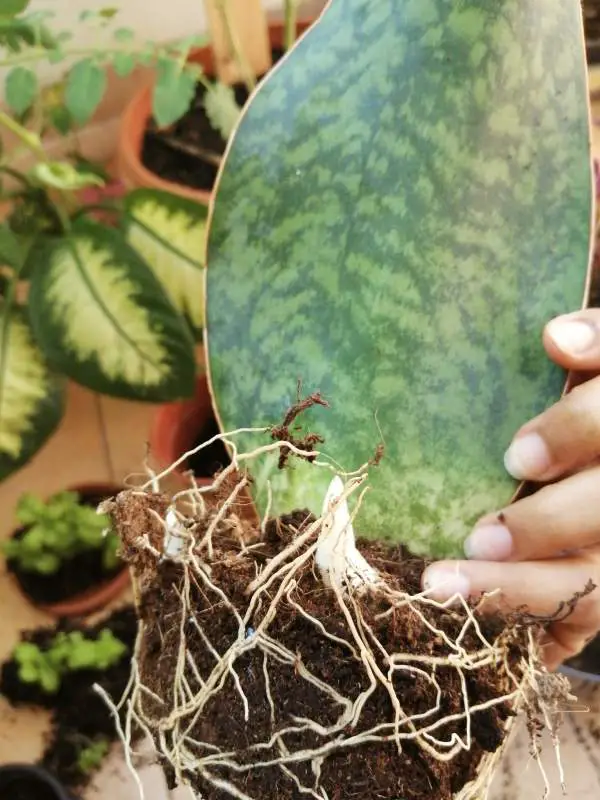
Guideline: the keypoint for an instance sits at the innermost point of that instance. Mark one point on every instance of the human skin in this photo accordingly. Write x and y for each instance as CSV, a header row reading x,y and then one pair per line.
x,y
544,549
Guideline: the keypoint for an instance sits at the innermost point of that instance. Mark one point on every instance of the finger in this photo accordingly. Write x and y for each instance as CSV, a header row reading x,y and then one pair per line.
x,y
573,340
561,517
564,437
541,587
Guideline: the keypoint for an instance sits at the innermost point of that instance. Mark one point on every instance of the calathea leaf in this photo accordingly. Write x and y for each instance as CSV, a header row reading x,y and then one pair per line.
x,y
169,233
31,397
103,319
405,204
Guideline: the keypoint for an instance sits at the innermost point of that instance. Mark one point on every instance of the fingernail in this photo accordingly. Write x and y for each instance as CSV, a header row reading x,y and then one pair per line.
x,y
489,543
441,583
527,457
572,336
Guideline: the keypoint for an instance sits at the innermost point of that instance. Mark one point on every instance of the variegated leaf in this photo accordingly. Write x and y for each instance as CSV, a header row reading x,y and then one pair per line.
x,y
31,397
169,232
103,319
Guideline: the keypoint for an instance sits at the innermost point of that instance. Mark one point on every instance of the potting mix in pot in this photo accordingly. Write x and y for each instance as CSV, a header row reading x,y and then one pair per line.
x,y
57,668
63,548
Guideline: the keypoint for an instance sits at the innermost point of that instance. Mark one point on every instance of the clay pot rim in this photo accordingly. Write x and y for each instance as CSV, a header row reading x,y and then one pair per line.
x,y
100,594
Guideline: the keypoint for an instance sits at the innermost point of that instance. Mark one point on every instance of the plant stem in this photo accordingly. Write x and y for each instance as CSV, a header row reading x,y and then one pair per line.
x,y
291,10
244,67
30,140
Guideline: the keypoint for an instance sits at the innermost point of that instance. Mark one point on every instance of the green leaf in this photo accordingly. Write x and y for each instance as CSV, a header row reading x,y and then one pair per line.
x,y
11,253
85,88
31,398
103,319
60,119
63,176
169,233
124,34
10,8
20,89
123,64
173,94
222,109
108,13
405,204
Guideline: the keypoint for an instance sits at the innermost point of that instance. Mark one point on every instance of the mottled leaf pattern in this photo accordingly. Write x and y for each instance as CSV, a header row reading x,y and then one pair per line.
x,y
31,398
103,319
169,233
405,203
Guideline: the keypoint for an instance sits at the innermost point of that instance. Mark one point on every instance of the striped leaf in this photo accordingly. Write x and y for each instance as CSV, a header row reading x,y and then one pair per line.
x,y
406,202
102,318
31,397
169,232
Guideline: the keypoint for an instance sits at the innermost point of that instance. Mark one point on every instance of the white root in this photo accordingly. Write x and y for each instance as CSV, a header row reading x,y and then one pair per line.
x,y
337,557
329,543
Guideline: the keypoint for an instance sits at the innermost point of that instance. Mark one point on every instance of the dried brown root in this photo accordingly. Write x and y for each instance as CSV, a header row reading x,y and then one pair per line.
x,y
219,613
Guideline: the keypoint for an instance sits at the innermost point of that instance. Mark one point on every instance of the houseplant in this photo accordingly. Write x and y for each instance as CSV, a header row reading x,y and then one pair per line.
x,y
181,152
64,554
401,268
128,321
56,668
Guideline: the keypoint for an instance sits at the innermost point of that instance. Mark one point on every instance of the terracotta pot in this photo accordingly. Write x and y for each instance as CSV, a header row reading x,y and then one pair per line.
x,y
130,168
101,594
177,426
18,777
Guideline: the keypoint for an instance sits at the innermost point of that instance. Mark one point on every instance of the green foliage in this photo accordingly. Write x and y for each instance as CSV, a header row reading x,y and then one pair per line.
x,y
68,652
173,93
91,757
85,88
58,529
21,88
405,204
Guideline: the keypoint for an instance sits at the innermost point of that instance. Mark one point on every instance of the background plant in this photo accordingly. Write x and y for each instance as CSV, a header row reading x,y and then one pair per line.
x,y
68,652
58,529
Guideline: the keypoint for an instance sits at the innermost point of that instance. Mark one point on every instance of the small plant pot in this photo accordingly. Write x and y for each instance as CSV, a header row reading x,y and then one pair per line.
x,y
179,427
28,782
83,600
130,168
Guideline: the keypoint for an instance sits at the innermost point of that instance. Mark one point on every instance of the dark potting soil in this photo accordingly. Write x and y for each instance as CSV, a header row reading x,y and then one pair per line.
x,y
80,716
210,460
368,771
169,152
75,575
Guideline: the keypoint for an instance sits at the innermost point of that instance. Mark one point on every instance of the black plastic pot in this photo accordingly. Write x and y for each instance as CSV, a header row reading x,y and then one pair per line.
x,y
586,665
28,782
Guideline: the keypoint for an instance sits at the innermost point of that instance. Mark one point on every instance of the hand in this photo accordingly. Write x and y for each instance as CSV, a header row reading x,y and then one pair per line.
x,y
543,549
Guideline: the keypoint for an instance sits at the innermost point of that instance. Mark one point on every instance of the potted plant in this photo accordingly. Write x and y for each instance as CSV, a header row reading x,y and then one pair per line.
x,y
30,782
178,146
113,303
64,554
57,668
405,279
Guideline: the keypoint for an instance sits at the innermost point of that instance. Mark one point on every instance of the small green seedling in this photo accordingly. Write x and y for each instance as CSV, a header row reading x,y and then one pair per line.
x,y
57,530
68,652
92,756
